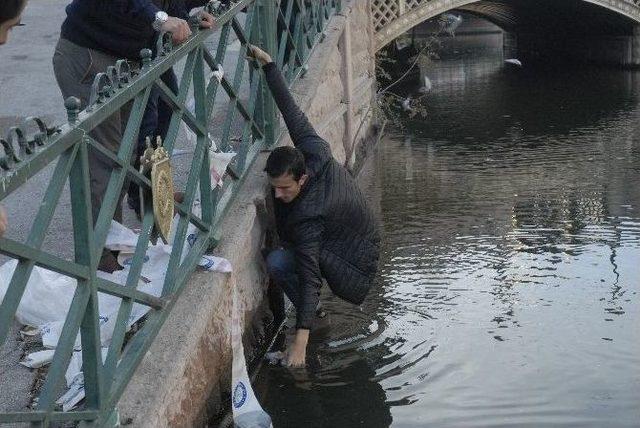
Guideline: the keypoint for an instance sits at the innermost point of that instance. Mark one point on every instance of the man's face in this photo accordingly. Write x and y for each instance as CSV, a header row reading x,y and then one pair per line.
x,y
286,187
6,27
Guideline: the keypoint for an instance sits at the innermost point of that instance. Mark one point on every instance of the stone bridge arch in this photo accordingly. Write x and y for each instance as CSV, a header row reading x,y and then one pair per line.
x,y
391,18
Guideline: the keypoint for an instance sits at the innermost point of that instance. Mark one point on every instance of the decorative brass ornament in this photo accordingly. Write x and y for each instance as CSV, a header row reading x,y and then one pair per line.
x,y
158,162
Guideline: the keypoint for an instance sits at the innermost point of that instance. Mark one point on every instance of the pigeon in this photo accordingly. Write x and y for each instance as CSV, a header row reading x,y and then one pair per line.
x,y
451,23
406,104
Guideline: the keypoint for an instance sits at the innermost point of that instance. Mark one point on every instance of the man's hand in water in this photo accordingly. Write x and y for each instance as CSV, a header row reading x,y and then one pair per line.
x,y
4,223
254,52
297,352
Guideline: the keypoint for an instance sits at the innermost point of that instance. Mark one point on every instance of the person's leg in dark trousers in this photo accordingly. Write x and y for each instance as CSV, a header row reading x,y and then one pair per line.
x,y
75,68
281,266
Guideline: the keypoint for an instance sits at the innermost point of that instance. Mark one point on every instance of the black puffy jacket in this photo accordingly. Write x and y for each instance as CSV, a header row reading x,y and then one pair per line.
x,y
329,226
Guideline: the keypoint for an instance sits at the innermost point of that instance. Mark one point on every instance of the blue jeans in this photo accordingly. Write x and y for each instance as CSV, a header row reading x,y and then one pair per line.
x,y
281,265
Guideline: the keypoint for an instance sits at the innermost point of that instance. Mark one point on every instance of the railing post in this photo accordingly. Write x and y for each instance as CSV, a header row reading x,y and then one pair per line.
x,y
266,39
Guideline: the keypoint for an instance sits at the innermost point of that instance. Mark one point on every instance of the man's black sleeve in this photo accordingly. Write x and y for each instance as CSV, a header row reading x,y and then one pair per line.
x,y
145,9
316,151
307,242
191,4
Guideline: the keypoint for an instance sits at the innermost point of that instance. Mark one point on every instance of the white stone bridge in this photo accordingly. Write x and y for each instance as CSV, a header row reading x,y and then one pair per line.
x,y
600,30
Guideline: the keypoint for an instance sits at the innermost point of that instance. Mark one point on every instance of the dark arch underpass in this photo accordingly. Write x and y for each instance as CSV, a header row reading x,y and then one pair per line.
x,y
595,31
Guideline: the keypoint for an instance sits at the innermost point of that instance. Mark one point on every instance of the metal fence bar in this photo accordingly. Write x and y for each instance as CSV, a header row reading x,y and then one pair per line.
x,y
113,354
284,30
36,237
79,185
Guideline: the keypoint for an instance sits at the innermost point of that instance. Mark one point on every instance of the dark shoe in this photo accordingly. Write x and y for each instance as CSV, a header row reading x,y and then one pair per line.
x,y
133,200
108,262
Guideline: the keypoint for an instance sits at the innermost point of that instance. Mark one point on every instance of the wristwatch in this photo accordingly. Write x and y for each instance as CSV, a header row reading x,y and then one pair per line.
x,y
161,18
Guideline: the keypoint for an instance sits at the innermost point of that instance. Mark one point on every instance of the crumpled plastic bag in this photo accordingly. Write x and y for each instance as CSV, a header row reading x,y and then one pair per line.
x,y
247,411
120,238
38,359
208,262
48,296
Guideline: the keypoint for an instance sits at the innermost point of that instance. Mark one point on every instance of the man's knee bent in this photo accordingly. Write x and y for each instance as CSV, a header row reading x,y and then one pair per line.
x,y
279,262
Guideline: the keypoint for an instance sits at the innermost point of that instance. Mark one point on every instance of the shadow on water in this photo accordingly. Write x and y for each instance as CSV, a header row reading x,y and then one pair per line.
x,y
508,285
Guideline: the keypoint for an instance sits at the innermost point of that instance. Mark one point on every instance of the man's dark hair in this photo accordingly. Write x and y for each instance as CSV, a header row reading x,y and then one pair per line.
x,y
285,160
10,9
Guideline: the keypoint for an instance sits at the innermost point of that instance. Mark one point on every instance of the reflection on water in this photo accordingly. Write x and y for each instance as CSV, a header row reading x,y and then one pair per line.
x,y
508,291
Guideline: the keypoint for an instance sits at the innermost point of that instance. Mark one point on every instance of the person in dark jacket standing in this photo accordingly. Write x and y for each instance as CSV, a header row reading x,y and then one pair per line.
x,y
95,34
323,220
158,113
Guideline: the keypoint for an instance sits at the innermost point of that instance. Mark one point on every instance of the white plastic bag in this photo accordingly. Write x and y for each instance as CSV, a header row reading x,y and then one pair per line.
x,y
121,238
38,359
215,264
218,162
247,412
46,298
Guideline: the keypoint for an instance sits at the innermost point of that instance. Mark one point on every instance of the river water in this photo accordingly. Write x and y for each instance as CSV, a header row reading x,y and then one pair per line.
x,y
509,275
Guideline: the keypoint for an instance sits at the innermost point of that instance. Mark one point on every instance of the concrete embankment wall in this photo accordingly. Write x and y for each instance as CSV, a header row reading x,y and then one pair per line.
x,y
185,374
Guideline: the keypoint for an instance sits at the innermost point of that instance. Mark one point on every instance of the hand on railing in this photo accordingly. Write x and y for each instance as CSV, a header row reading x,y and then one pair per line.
x,y
255,53
179,29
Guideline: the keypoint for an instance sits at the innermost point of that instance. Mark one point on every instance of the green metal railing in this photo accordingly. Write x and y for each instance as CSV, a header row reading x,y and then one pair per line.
x,y
288,29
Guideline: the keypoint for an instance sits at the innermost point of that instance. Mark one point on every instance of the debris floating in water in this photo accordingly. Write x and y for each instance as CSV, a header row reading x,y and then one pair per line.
x,y
513,61
275,358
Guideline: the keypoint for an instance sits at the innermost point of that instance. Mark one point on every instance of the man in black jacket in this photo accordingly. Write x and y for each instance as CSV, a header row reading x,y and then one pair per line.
x,y
323,220
95,34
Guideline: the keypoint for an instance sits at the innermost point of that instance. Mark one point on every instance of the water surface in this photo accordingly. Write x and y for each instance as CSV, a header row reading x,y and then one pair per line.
x,y
509,277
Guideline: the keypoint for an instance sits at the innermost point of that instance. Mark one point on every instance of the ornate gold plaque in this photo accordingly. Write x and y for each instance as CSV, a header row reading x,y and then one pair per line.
x,y
162,191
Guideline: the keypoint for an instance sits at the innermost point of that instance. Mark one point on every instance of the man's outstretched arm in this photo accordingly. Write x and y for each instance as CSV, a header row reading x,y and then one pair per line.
x,y
302,133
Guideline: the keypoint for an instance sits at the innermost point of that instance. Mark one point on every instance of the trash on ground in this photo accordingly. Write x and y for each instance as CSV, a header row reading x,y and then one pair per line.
x,y
35,360
219,162
48,295
74,395
29,331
